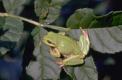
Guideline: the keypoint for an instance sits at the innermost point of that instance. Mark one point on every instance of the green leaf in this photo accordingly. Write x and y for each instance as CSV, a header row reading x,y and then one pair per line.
x,y
41,8
14,6
45,66
81,18
86,71
102,21
117,18
111,19
12,30
86,18
48,10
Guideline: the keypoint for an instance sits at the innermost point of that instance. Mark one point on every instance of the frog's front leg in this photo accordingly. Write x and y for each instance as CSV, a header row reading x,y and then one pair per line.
x,y
55,52
72,60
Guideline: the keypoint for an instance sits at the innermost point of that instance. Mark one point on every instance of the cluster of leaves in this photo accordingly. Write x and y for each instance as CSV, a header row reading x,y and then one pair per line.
x,y
105,34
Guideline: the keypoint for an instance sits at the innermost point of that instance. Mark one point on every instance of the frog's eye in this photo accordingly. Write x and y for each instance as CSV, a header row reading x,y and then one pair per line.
x,y
50,43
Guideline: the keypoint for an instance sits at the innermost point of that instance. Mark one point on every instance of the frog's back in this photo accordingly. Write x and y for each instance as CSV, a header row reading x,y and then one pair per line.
x,y
68,45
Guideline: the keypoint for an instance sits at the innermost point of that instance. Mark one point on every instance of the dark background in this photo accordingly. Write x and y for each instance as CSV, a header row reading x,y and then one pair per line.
x,y
105,71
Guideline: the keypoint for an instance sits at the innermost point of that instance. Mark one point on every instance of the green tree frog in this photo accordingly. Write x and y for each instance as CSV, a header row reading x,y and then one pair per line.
x,y
61,45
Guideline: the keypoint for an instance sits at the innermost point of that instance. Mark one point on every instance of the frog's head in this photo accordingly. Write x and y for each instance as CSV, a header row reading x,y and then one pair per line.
x,y
50,39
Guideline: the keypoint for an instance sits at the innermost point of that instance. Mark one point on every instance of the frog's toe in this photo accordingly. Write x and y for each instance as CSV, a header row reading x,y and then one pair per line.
x,y
60,63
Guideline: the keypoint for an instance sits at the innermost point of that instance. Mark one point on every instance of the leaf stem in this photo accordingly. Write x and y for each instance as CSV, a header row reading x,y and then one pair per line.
x,y
35,23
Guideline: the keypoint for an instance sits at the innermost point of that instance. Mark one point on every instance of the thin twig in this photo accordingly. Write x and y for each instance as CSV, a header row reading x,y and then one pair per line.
x,y
34,22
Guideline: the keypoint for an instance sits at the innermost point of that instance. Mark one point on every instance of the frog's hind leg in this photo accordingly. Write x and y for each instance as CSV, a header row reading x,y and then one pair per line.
x,y
73,60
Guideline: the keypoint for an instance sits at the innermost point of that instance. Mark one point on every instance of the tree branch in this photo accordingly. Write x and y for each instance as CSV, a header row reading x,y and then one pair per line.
x,y
34,22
